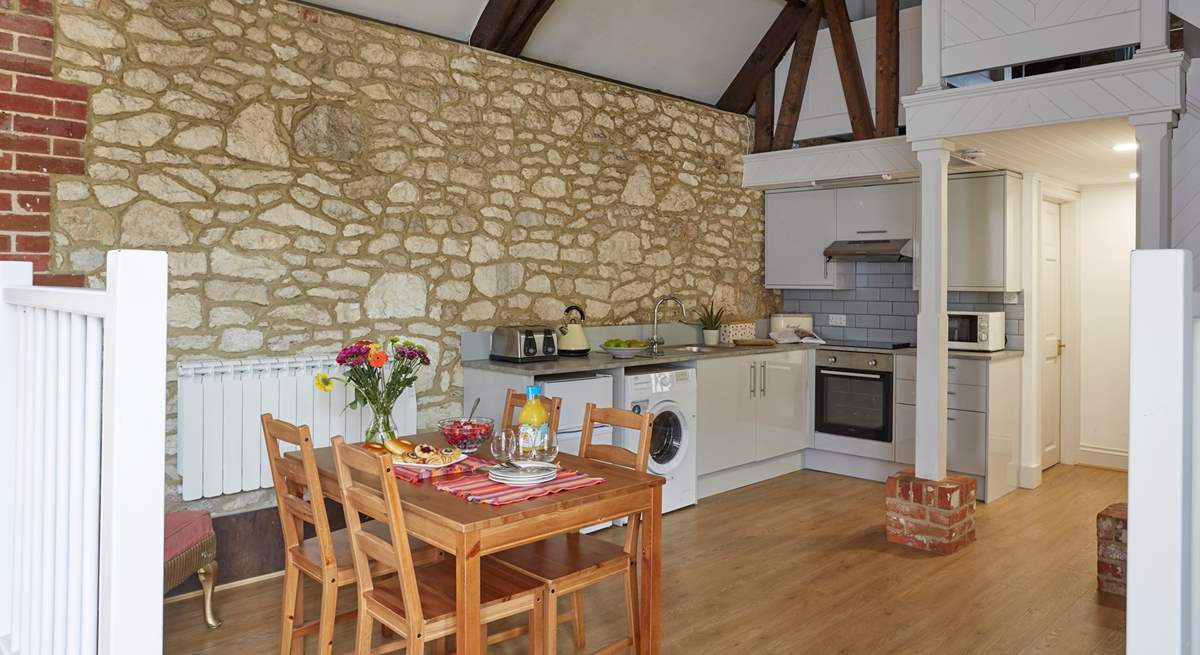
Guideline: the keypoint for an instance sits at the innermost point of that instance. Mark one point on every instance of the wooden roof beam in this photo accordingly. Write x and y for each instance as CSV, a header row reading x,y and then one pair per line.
x,y
887,67
858,103
506,25
797,79
766,56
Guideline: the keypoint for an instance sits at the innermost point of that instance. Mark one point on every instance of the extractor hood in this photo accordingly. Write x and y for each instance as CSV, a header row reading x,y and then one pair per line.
x,y
873,250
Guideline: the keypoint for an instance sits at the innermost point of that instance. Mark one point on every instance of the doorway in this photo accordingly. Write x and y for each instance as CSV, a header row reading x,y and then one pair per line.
x,y
1050,334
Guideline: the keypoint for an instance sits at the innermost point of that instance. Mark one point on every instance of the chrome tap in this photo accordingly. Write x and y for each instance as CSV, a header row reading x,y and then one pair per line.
x,y
655,340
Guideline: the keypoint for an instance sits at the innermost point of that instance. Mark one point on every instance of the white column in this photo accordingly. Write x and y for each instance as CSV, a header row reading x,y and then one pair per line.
x,y
1161,351
1154,178
932,322
12,274
931,46
1155,27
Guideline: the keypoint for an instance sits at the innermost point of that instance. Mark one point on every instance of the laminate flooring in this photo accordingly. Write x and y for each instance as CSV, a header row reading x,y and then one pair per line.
x,y
799,564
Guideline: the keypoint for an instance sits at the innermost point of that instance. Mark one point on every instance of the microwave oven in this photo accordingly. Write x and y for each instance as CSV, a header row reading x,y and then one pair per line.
x,y
982,331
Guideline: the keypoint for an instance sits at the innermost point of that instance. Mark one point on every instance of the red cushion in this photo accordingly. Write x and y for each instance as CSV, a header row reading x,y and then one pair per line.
x,y
184,530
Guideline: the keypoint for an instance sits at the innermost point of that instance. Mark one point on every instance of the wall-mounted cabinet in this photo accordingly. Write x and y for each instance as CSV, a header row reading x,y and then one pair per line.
x,y
984,233
800,224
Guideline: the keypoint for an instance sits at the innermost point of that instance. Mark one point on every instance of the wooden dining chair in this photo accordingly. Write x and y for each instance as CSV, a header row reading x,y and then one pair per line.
x,y
417,603
515,400
325,557
570,563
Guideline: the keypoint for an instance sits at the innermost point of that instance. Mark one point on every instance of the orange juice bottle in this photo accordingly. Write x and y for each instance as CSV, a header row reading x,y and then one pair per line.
x,y
533,422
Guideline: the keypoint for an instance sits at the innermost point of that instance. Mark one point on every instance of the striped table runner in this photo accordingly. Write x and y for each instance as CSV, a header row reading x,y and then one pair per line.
x,y
415,475
482,489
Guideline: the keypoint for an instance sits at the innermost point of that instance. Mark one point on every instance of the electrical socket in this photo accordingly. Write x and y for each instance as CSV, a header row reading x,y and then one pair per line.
x,y
837,320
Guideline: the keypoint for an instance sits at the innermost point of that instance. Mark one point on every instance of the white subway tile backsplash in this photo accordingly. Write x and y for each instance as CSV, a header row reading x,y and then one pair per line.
x,y
884,306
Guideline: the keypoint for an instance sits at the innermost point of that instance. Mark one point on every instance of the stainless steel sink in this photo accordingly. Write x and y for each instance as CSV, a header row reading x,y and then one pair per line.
x,y
693,349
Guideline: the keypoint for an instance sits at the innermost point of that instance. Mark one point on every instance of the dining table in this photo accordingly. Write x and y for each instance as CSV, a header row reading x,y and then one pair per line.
x,y
470,530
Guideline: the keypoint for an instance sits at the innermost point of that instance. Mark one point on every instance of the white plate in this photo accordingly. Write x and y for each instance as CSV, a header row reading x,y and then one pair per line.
x,y
413,465
624,353
522,482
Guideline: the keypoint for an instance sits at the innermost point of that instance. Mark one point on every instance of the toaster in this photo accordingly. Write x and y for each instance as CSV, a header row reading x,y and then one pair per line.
x,y
524,343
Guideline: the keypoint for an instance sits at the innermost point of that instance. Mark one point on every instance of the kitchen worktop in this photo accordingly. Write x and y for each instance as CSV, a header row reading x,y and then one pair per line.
x,y
912,352
598,360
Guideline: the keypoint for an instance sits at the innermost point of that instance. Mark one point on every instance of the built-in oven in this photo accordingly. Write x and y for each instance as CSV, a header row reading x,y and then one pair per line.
x,y
854,395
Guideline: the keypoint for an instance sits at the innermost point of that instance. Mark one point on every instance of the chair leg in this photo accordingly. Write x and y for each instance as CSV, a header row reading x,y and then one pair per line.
x,y
208,579
362,637
292,610
631,604
537,625
439,646
329,594
415,646
577,603
550,630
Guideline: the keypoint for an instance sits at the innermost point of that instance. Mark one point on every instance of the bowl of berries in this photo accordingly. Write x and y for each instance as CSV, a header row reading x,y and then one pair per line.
x,y
466,434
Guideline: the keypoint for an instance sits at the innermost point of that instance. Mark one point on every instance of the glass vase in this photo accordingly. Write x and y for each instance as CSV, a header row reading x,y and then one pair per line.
x,y
381,428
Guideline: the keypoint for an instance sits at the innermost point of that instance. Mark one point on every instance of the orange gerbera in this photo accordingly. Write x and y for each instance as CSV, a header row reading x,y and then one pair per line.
x,y
377,359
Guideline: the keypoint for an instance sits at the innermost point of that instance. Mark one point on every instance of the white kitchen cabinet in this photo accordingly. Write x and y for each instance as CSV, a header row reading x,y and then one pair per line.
x,y
784,395
799,226
884,211
752,408
983,419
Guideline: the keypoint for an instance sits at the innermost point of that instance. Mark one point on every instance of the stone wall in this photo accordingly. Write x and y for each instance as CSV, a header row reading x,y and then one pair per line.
x,y
316,178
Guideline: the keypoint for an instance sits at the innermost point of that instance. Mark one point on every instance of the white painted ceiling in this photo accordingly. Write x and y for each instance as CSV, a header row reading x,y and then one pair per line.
x,y
1080,153
687,48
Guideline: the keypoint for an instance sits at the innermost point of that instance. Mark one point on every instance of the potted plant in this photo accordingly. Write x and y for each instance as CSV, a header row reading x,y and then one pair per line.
x,y
378,372
710,322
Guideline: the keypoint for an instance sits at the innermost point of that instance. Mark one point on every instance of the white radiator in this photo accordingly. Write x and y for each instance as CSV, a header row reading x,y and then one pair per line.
x,y
220,402
82,414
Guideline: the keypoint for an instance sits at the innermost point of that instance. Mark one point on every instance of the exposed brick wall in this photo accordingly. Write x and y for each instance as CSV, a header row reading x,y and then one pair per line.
x,y
1112,543
42,125
936,516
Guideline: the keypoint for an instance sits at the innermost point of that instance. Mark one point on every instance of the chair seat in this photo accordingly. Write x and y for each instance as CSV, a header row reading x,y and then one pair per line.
x,y
184,530
436,583
565,555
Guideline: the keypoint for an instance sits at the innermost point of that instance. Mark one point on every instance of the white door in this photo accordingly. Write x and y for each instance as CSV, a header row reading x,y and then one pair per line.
x,y
1050,306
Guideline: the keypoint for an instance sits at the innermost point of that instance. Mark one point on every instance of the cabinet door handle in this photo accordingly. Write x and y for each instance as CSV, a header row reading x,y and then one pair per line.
x,y
950,418
951,393
871,232
753,393
762,369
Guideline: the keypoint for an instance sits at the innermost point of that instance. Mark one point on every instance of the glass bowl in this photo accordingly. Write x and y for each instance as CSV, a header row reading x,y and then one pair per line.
x,y
466,435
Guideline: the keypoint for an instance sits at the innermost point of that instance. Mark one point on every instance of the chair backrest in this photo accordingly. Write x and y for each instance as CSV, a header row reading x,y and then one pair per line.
x,y
292,478
369,488
515,400
638,461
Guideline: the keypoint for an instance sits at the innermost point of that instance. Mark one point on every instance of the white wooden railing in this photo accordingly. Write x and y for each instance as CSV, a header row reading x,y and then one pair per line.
x,y
1163,467
82,419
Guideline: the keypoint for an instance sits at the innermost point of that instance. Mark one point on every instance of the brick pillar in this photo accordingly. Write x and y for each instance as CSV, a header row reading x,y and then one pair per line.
x,y
42,125
1112,542
937,516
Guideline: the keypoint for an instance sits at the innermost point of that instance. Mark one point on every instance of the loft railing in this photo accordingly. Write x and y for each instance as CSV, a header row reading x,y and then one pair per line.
x,y
82,419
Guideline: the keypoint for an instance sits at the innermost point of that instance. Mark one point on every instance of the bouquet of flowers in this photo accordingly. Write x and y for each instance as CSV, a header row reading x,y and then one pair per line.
x,y
378,372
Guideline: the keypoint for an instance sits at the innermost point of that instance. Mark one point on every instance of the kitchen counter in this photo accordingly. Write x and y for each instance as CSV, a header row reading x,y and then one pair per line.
x,y
999,355
598,360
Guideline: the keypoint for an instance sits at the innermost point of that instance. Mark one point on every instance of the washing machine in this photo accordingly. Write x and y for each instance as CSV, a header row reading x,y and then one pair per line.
x,y
670,393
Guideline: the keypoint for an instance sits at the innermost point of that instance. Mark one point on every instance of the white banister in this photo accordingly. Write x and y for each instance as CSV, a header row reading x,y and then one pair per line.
x,y
82,420
1161,380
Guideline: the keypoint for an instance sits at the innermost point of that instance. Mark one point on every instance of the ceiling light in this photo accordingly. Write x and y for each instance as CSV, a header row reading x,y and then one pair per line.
x,y
1133,176
1125,147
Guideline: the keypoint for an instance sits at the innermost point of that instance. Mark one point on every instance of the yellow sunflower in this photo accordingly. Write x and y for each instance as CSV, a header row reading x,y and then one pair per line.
x,y
324,382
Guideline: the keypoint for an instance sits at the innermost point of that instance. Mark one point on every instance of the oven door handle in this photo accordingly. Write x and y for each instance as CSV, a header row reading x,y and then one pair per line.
x,y
848,374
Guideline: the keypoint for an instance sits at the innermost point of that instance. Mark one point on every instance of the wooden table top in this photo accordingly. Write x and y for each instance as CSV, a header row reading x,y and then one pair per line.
x,y
462,515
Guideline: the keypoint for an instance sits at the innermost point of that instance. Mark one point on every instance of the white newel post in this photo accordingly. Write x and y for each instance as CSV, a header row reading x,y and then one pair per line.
x,y
931,46
1155,27
1154,178
132,473
932,321
1160,431
12,274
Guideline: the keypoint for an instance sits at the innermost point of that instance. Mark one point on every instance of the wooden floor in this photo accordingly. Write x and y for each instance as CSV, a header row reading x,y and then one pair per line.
x,y
799,564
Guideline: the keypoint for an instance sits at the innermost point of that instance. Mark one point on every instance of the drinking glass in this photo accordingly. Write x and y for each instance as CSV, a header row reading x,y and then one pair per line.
x,y
546,449
504,444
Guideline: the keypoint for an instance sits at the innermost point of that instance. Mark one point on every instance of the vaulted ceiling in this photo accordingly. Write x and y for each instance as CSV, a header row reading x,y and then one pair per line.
x,y
686,48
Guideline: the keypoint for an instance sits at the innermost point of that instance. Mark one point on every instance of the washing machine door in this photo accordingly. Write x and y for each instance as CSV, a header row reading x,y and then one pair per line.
x,y
670,437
